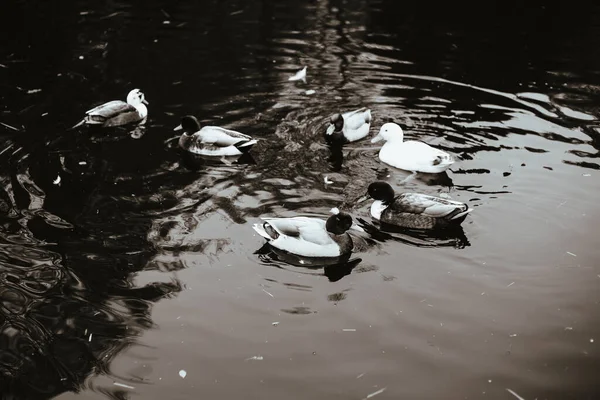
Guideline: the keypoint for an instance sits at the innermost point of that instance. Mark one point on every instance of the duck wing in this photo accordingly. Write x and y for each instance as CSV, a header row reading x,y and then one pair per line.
x,y
111,109
303,228
357,118
422,154
221,137
435,207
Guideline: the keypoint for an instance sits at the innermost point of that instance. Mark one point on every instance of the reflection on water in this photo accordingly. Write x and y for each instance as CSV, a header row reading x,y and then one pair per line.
x,y
124,260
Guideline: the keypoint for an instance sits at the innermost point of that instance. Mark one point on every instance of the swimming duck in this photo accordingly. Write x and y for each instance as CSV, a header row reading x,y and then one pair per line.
x,y
212,140
410,155
414,210
309,237
117,112
349,127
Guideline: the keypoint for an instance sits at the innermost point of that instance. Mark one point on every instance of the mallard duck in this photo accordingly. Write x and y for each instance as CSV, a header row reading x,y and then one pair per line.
x,y
349,127
414,210
309,237
212,140
410,155
117,112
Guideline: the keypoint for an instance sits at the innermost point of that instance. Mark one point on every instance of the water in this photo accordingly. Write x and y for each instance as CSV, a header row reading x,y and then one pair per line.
x,y
141,263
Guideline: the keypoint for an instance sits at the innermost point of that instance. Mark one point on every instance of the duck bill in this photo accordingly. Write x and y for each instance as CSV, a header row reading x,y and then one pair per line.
x,y
178,128
377,138
145,102
362,199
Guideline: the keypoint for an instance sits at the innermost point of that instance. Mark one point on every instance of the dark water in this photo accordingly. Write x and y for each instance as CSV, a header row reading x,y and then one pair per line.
x,y
141,263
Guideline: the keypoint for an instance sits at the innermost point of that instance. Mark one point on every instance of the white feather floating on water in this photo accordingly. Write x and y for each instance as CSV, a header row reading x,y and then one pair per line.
x,y
57,180
514,394
375,393
299,76
123,385
182,373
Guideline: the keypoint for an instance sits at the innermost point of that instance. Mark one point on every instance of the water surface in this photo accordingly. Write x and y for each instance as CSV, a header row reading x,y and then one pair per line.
x,y
142,263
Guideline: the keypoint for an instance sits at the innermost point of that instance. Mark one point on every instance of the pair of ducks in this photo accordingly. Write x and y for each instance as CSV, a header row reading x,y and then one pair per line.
x,y
305,236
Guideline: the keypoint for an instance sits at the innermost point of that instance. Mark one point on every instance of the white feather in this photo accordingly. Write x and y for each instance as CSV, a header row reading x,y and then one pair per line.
x,y
299,76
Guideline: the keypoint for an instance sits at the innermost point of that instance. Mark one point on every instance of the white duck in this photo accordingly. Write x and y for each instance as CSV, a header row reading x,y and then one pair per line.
x,y
414,210
349,127
212,140
309,237
410,155
117,112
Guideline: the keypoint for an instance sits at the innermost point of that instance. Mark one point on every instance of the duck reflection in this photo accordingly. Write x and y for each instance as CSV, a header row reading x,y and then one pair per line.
x,y
451,236
336,157
334,268
438,179
195,162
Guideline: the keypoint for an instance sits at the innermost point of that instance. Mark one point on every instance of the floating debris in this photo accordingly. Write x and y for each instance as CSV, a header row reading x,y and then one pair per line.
x,y
9,127
591,340
327,180
514,394
335,211
568,328
257,358
57,180
349,330
375,393
182,373
510,284
360,375
513,335
299,76
237,12
123,385
310,91
268,293
587,174
32,91
571,254
275,323
82,163
90,338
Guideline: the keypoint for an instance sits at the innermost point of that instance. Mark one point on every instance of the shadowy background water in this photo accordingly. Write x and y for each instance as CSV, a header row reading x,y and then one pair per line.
x,y
141,263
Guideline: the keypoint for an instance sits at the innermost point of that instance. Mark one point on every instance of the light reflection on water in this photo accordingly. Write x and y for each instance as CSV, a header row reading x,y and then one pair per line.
x,y
142,261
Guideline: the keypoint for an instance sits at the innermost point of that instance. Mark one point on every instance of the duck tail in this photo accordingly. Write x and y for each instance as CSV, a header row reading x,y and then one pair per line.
x,y
459,217
245,145
265,230
368,116
77,125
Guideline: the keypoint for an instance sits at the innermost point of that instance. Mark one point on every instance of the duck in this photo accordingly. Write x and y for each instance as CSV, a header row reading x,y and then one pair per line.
x,y
349,127
212,140
414,210
309,236
410,155
117,112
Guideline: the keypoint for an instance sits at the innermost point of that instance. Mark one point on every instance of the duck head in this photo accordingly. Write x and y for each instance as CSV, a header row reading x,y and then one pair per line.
x,y
189,124
381,191
338,223
136,97
388,132
338,122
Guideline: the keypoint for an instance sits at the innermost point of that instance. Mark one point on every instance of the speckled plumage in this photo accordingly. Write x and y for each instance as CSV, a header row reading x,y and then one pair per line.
x,y
415,210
